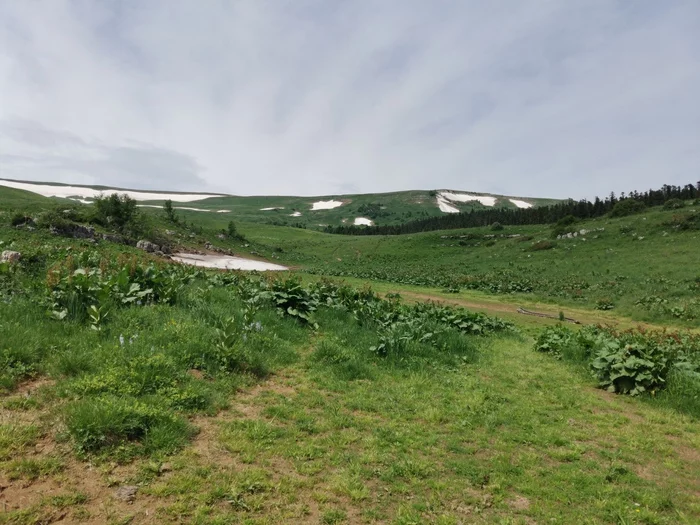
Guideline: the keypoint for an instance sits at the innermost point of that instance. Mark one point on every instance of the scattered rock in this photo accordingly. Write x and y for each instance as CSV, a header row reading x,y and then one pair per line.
x,y
147,246
221,236
165,467
208,246
11,257
170,232
158,253
126,493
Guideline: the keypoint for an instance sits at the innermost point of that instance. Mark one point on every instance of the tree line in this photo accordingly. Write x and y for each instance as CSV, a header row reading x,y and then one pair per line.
x,y
582,209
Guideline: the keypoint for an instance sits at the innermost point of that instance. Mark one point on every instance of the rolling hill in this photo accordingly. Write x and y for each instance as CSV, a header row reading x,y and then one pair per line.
x,y
310,212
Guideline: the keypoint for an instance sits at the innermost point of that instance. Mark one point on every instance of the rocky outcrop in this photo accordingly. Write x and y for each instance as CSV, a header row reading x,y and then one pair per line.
x,y
147,246
77,231
11,257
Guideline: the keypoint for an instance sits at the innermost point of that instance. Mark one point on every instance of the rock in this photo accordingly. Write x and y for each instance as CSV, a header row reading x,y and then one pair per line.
x,y
165,467
77,231
208,246
147,246
170,232
126,493
11,257
221,236
113,237
158,253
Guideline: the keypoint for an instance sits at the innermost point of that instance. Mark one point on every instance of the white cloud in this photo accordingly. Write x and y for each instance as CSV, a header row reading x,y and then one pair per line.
x,y
537,98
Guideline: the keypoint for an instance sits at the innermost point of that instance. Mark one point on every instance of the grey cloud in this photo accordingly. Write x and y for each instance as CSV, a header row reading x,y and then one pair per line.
x,y
546,98
64,157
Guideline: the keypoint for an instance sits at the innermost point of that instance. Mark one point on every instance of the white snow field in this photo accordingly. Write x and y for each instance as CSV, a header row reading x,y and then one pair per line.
x,y
362,221
445,206
180,208
521,204
325,205
79,191
226,262
465,197
295,214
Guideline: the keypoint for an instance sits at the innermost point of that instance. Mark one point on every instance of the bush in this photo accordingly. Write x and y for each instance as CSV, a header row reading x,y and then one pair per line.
x,y
20,219
627,207
118,212
630,366
674,204
496,226
684,221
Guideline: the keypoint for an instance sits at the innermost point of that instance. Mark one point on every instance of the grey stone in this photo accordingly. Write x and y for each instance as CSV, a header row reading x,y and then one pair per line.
x,y
10,256
126,493
147,246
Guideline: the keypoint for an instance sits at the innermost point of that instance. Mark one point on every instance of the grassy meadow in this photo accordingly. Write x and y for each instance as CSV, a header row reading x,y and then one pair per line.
x,y
362,386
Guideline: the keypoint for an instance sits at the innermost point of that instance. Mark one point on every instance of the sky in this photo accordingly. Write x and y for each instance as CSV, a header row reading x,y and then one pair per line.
x,y
539,98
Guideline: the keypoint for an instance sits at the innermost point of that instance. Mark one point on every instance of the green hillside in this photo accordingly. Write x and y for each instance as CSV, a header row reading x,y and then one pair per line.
x,y
380,208
382,379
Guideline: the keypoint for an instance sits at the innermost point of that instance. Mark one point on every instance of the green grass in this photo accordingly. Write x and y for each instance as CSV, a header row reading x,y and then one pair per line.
x,y
308,421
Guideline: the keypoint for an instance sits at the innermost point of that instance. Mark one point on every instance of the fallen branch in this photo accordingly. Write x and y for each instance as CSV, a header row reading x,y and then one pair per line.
x,y
548,316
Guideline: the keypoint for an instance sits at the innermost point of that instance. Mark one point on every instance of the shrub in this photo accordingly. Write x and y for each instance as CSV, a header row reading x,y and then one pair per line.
x,y
627,207
496,226
20,219
684,221
604,303
674,204
630,366
118,212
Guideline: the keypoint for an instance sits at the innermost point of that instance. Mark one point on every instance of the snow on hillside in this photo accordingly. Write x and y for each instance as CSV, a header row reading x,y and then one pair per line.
x,y
465,197
325,205
521,204
362,221
79,191
445,206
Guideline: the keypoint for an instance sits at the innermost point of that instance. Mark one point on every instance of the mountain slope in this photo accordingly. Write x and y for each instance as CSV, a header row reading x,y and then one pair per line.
x,y
313,212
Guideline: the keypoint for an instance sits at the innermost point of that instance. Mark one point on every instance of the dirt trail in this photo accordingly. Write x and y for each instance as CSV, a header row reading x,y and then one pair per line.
x,y
509,310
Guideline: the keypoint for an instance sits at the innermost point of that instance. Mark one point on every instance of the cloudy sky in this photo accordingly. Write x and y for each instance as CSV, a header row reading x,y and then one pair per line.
x,y
535,98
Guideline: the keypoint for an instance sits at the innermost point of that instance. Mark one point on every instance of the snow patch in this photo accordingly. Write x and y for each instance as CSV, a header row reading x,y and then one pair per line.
x,y
223,211
325,205
79,191
174,207
521,204
226,262
362,221
295,214
445,206
465,197
271,209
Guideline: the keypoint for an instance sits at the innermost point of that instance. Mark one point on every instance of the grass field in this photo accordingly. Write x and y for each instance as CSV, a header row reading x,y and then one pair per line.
x,y
138,392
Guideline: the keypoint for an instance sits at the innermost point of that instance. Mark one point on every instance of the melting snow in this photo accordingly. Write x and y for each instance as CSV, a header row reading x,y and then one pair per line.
x,y
270,209
361,221
325,205
445,206
80,191
465,197
226,262
295,214
174,207
520,204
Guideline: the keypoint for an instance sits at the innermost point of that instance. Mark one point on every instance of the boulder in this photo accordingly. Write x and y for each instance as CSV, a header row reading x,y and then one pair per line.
x,y
147,246
11,257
